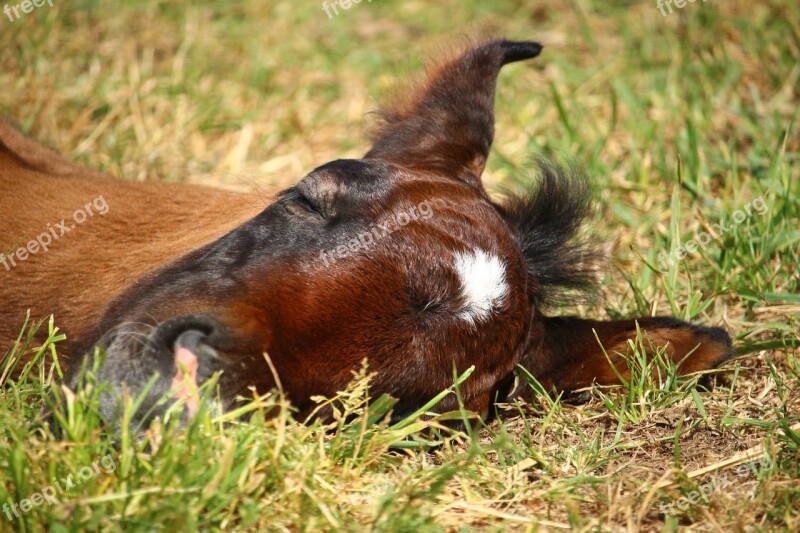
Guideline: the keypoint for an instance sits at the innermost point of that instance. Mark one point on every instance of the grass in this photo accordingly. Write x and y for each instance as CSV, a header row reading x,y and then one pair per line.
x,y
683,120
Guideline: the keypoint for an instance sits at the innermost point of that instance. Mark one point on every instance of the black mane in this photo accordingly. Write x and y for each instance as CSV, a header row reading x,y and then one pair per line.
x,y
563,265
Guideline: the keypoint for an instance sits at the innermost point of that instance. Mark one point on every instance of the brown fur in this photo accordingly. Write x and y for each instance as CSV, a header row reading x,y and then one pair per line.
x,y
147,224
220,277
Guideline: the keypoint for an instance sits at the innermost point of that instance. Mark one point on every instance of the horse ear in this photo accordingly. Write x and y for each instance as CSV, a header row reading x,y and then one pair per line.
x,y
447,125
566,354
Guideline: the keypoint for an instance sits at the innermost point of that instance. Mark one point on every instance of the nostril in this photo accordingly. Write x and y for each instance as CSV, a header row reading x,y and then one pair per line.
x,y
188,331
189,339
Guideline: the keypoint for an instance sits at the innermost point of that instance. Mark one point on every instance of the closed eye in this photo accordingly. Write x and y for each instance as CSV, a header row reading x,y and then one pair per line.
x,y
299,204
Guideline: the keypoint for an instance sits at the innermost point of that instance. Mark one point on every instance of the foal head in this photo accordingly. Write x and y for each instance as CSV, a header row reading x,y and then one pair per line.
x,y
399,258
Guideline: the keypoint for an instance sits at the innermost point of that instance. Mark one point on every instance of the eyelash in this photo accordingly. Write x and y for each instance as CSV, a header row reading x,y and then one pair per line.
x,y
308,205
293,195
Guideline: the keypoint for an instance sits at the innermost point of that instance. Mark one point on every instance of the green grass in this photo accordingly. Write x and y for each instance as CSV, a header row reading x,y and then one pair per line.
x,y
682,121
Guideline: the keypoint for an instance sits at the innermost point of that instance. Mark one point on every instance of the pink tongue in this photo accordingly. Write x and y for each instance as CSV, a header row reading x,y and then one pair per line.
x,y
184,382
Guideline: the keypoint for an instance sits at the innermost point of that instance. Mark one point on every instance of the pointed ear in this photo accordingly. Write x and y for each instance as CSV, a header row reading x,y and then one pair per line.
x,y
448,124
564,354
